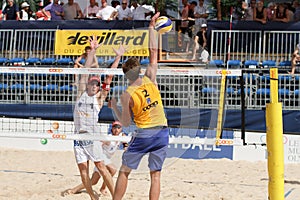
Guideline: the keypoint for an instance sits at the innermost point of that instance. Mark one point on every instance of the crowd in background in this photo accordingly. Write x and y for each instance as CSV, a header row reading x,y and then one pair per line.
x,y
58,10
263,12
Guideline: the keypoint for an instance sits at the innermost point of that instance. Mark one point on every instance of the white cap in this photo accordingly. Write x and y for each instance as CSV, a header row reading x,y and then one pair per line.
x,y
24,5
271,4
203,26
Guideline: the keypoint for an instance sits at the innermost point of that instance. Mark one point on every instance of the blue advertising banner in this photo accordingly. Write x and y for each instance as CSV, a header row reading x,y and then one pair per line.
x,y
199,151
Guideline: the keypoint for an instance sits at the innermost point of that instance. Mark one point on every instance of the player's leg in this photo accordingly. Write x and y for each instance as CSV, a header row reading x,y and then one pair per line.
x,y
112,170
293,63
155,185
95,177
121,183
156,160
84,173
195,49
107,178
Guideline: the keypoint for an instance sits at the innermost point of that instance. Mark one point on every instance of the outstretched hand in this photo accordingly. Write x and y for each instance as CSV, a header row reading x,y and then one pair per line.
x,y
122,49
153,19
94,43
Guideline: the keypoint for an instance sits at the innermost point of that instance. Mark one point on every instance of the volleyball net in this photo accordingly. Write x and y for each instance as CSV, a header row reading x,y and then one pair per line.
x,y
38,102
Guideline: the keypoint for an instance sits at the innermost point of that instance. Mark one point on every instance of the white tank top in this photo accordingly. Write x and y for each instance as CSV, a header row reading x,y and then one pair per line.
x,y
86,115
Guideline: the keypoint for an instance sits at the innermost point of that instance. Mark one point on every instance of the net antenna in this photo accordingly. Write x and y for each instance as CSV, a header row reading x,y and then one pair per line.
x,y
223,86
220,121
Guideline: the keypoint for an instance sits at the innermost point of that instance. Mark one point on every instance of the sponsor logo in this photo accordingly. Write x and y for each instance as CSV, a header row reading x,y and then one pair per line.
x,y
83,143
72,42
56,70
17,69
223,72
224,142
107,38
59,136
263,139
153,104
180,70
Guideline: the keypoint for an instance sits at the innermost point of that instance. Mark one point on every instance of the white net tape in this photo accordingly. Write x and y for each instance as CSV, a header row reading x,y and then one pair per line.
x,y
181,72
103,137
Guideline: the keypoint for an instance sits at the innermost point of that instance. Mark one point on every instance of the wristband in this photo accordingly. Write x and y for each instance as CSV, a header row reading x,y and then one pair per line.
x,y
105,86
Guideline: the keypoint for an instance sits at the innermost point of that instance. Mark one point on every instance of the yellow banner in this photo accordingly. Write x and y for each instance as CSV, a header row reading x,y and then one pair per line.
x,y
73,42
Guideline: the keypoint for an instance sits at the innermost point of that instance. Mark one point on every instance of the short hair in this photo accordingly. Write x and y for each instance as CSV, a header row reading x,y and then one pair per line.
x,y
194,3
131,68
87,48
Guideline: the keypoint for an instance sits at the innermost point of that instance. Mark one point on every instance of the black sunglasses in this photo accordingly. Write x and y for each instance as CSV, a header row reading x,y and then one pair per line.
x,y
117,126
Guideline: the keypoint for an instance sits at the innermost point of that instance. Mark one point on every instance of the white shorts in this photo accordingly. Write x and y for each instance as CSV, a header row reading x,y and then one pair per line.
x,y
88,150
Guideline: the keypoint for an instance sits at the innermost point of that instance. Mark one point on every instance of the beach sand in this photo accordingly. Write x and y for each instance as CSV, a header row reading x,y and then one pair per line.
x,y
40,175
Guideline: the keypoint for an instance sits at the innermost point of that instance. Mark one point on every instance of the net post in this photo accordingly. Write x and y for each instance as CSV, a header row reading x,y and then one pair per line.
x,y
243,107
275,141
221,106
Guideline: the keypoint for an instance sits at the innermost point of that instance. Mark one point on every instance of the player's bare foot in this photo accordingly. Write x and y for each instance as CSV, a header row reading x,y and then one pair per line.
x,y
104,192
67,192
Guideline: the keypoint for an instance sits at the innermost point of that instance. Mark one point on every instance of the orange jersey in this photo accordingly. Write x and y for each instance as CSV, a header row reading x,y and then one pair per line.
x,y
148,109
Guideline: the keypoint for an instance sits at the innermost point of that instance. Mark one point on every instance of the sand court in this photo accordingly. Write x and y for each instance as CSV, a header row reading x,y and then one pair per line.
x,y
35,175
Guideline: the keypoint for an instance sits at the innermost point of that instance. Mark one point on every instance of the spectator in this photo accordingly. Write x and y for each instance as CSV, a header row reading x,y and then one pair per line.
x,y
290,12
200,43
140,12
115,4
295,59
297,13
282,13
241,13
11,11
191,25
26,12
271,11
72,10
148,7
294,6
124,13
39,15
201,14
92,10
250,10
185,24
55,9
260,13
106,12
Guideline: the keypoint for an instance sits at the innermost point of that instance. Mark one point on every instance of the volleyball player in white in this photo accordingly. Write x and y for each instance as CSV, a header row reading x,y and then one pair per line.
x,y
89,102
109,149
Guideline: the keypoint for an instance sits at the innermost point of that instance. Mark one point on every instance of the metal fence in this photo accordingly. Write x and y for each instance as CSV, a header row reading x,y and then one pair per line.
x,y
241,45
244,44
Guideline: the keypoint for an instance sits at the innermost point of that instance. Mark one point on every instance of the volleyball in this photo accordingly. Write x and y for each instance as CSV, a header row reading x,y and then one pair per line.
x,y
163,25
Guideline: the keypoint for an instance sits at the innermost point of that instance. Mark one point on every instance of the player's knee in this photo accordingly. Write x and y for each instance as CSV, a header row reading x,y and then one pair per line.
x,y
155,175
113,171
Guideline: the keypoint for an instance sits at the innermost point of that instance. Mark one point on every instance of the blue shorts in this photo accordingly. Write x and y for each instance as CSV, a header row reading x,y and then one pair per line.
x,y
152,141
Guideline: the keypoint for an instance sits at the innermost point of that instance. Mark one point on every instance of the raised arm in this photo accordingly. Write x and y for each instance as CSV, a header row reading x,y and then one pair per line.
x,y
152,67
108,79
89,61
